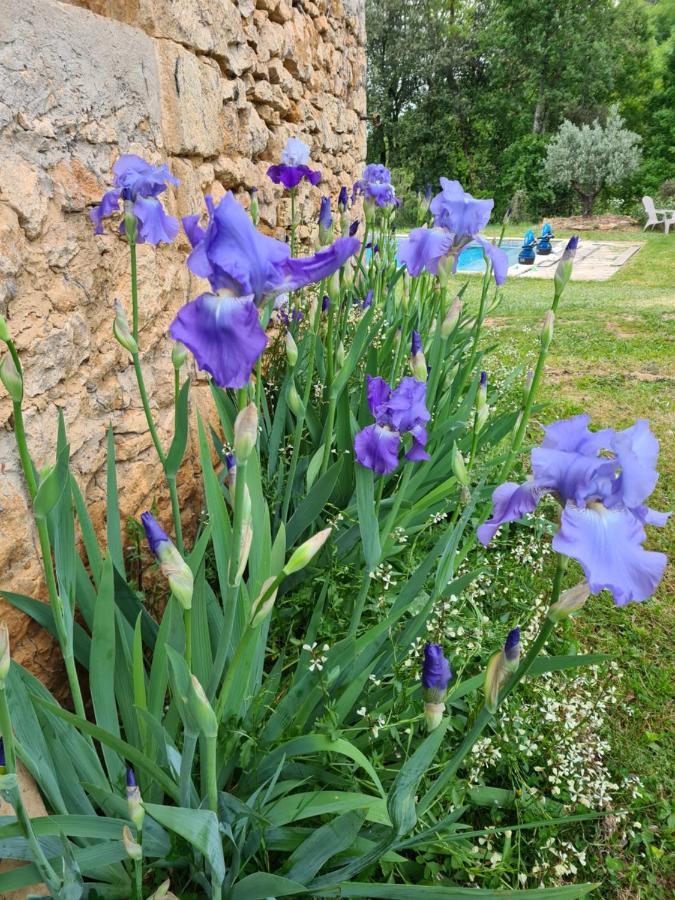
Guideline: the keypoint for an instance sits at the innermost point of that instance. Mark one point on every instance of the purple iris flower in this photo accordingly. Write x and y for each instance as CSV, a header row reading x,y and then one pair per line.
x,y
131,779
354,227
325,303
416,343
458,217
602,480
138,183
396,412
244,268
436,672
293,166
342,199
368,300
376,187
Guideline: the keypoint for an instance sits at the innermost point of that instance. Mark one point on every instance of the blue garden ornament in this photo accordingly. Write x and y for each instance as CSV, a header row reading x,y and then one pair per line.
x,y
544,243
526,255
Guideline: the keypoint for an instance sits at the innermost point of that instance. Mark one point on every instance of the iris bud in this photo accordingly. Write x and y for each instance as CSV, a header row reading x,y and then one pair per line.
x,y
306,552
512,650
254,206
563,270
501,664
121,330
202,710
458,466
132,847
130,221
179,353
295,403
134,802
340,354
173,566
291,349
494,675
547,329
11,378
334,287
482,415
569,602
418,363
3,760
481,396
436,675
245,432
527,384
231,477
4,330
4,654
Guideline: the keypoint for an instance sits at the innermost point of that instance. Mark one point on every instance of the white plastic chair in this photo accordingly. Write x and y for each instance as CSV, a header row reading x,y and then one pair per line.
x,y
665,217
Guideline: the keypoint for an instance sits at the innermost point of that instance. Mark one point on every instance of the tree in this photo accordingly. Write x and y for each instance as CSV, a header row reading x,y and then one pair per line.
x,y
591,156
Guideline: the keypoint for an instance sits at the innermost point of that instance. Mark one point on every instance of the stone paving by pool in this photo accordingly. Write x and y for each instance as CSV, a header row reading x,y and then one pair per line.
x,y
595,260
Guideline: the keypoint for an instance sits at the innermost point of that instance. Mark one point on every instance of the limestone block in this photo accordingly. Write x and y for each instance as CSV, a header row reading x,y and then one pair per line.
x,y
191,101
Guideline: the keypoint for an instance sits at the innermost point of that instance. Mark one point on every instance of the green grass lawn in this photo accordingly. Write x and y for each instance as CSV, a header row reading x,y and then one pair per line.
x,y
613,355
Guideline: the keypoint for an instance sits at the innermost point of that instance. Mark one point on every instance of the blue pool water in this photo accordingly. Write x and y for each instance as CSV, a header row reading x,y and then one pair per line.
x,y
471,257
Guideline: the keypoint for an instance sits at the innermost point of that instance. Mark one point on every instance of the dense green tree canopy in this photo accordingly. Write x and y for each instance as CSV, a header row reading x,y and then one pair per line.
x,y
475,88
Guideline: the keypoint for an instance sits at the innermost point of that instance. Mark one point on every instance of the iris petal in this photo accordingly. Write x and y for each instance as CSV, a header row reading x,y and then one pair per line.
x,y
608,544
572,475
378,392
109,204
636,451
193,229
291,176
510,502
574,436
458,211
377,448
295,273
154,225
407,404
424,248
498,257
224,334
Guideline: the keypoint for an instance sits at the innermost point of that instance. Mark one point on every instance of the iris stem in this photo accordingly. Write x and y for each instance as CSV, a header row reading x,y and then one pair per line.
x,y
485,716
399,495
210,773
359,604
48,874
134,290
300,424
187,623
138,867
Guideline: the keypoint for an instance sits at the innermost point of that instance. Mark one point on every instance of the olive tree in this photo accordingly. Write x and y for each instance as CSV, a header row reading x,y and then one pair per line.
x,y
591,156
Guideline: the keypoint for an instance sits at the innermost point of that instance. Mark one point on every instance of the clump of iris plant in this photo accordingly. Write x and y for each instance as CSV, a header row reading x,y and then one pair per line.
x,y
602,480
293,167
138,184
436,676
458,217
244,268
397,412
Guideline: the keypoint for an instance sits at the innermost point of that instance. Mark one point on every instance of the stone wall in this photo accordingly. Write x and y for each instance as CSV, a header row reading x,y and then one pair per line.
x,y
213,87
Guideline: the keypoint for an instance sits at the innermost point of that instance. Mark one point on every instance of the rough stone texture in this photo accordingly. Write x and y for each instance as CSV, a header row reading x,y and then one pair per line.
x,y
214,88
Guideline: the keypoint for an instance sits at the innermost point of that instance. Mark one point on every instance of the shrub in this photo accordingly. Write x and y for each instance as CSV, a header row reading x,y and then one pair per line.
x,y
591,156
223,744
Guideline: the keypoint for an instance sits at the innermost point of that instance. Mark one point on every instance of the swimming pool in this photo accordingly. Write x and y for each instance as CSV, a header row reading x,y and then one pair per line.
x,y
471,257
